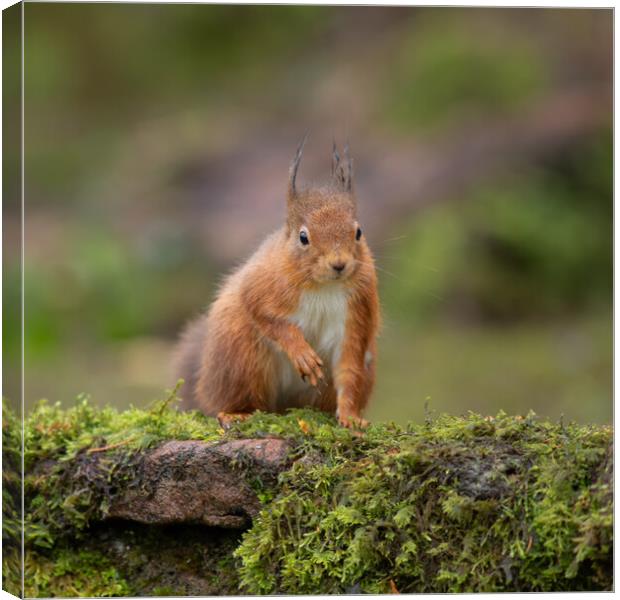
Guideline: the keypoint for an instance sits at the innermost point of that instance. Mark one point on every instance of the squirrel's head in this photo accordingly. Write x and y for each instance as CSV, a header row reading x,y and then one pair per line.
x,y
324,236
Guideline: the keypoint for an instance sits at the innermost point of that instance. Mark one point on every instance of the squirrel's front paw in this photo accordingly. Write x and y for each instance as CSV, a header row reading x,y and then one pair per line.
x,y
308,365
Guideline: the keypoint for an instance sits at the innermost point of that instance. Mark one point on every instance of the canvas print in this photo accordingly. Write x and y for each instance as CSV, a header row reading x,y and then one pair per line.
x,y
306,300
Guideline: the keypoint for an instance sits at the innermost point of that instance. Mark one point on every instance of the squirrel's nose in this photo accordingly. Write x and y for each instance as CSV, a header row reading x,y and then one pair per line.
x,y
339,266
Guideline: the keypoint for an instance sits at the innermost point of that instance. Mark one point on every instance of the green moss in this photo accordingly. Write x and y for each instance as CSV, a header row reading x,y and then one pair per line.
x,y
11,501
459,504
455,504
68,573
52,432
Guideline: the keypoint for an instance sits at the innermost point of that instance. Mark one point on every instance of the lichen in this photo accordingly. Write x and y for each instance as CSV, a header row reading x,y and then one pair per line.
x,y
465,503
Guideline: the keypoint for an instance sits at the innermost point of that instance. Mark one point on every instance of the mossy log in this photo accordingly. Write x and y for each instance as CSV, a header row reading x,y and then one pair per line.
x,y
162,502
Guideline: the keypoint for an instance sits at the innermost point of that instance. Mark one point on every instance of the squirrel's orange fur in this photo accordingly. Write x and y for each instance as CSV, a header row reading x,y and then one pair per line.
x,y
296,324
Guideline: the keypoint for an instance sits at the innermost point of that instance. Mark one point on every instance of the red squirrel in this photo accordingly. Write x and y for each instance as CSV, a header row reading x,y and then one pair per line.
x,y
296,325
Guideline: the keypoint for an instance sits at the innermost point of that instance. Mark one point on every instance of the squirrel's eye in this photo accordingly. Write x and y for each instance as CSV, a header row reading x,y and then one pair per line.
x,y
303,238
358,234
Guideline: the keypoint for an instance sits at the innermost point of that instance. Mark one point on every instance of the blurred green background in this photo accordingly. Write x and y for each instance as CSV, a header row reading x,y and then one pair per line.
x,y
157,145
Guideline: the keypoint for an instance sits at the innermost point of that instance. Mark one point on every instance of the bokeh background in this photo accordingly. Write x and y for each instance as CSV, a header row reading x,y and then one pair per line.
x,y
158,139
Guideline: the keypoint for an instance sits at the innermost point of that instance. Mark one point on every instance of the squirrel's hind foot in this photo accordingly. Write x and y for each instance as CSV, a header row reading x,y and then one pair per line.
x,y
356,424
226,420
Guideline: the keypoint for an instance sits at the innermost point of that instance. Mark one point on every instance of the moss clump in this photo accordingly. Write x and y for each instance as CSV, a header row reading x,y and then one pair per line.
x,y
456,505
67,573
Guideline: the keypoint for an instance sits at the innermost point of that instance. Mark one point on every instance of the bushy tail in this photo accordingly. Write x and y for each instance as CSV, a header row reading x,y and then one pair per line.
x,y
187,360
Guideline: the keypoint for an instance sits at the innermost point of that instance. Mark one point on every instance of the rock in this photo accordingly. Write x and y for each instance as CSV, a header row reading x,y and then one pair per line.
x,y
198,482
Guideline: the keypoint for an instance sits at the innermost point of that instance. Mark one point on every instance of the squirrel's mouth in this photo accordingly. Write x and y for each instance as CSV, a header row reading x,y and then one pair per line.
x,y
332,275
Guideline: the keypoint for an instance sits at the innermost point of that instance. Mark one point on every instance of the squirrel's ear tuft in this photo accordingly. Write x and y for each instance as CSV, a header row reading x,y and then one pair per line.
x,y
349,179
342,175
335,160
292,172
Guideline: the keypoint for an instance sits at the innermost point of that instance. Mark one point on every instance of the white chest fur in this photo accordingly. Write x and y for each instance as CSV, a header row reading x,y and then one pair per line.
x,y
321,315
